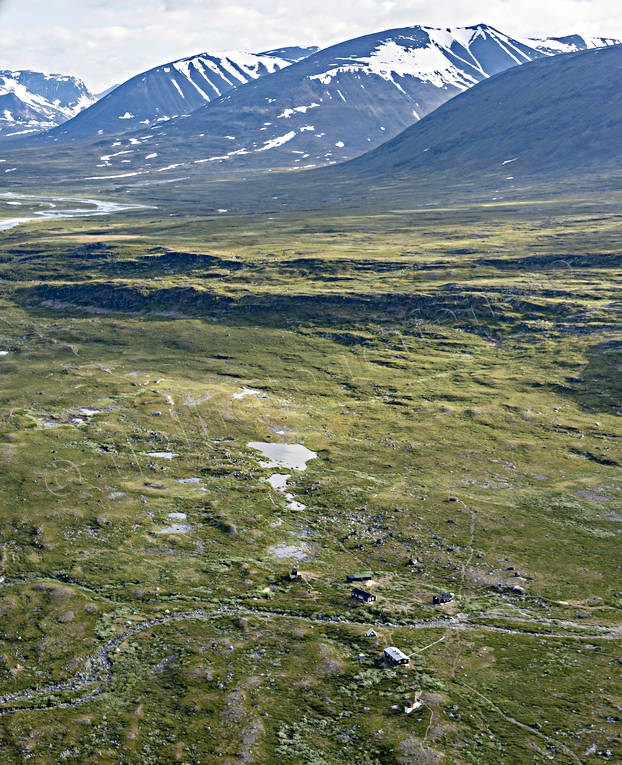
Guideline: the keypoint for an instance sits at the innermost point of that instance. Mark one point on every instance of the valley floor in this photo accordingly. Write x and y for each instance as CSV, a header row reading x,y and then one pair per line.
x,y
454,376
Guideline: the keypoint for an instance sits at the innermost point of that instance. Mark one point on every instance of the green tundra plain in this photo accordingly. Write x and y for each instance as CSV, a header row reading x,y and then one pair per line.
x,y
456,369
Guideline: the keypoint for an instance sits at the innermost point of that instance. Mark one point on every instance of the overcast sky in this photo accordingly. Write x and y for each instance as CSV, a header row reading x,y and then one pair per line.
x,y
107,41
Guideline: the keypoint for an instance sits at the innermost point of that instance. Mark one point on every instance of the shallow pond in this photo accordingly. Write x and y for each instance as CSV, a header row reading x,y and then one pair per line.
x,y
292,456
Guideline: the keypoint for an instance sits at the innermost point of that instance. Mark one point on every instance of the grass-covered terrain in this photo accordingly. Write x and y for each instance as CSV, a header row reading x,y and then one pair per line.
x,y
457,372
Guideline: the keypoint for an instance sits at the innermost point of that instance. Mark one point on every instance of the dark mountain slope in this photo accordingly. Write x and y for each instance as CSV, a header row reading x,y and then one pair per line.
x,y
550,115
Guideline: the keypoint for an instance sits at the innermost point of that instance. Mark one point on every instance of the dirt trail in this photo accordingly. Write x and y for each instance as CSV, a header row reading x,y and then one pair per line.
x,y
98,668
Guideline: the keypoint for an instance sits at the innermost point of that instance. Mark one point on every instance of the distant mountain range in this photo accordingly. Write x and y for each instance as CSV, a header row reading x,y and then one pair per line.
x,y
31,102
325,108
287,108
551,116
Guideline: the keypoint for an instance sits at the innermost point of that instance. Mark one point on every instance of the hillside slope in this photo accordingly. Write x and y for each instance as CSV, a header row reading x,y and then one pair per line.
x,y
551,115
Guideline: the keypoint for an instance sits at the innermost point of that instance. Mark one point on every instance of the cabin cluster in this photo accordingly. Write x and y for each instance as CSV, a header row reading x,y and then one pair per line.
x,y
392,655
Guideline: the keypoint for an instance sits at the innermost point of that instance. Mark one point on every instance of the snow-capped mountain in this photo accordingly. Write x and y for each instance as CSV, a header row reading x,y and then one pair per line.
x,y
31,102
337,103
172,90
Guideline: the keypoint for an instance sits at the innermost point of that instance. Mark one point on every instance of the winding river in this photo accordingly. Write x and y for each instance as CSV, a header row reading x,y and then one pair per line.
x,y
91,207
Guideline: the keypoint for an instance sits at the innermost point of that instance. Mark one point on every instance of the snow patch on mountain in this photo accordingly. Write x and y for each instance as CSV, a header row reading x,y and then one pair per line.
x,y
287,113
279,141
429,64
390,60
212,75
